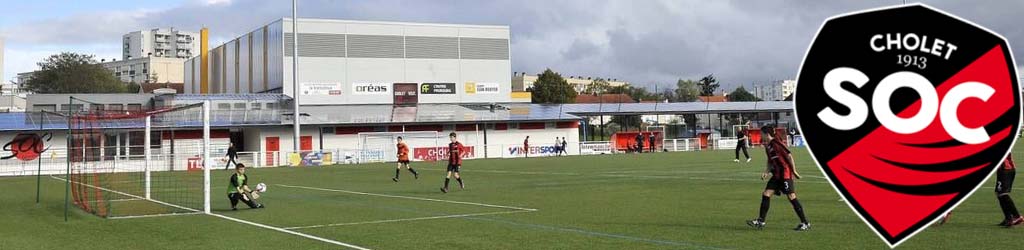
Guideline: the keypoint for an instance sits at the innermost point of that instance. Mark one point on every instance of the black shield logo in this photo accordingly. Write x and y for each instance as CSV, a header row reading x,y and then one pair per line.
x,y
907,110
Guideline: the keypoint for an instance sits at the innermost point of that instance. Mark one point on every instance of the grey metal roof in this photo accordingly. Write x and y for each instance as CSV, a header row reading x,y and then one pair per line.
x,y
676,108
389,114
430,113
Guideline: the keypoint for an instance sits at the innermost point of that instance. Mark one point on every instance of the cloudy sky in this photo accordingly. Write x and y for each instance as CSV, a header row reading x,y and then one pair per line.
x,y
647,42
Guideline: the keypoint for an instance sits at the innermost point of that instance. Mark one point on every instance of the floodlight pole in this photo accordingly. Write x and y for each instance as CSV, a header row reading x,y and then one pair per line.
x,y
295,73
149,152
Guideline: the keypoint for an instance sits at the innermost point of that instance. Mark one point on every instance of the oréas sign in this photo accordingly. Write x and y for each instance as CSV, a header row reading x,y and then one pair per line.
x,y
439,153
371,88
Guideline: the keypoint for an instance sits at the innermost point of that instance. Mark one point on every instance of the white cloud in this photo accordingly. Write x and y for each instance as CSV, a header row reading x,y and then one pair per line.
x,y
639,41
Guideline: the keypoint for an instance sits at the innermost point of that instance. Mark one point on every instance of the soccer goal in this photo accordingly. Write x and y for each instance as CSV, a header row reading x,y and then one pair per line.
x,y
140,163
381,146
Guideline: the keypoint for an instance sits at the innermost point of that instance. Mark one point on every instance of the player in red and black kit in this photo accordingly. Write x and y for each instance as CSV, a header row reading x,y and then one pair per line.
x,y
780,165
1004,184
454,163
403,160
526,146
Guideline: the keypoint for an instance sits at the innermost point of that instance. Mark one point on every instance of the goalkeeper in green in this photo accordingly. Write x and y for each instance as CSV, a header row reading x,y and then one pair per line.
x,y
238,189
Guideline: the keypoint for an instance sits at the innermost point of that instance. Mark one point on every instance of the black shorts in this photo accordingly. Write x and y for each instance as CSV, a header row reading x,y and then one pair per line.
x,y
781,186
454,167
1004,181
403,161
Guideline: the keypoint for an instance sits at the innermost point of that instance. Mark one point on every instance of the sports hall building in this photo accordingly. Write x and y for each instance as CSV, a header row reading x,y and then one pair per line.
x,y
361,84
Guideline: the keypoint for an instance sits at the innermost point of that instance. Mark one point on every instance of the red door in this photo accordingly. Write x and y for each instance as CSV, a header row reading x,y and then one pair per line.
x,y
306,143
273,145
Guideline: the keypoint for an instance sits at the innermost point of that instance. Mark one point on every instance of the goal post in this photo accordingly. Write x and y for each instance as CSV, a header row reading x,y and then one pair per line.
x,y
127,163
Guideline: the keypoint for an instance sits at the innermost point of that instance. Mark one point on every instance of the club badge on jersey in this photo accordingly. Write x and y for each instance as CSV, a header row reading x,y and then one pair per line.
x,y
907,110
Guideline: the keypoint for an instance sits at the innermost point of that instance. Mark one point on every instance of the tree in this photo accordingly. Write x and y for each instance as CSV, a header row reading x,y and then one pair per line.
x,y
598,86
628,122
708,85
686,91
75,73
742,95
550,87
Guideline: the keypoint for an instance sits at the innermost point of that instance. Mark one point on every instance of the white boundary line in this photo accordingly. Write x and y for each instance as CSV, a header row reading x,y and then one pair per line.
x,y
151,215
409,219
409,197
230,218
132,199
290,232
129,195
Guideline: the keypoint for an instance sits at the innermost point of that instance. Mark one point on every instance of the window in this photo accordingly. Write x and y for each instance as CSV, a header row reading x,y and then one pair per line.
x,y
115,107
39,107
240,106
224,106
134,107
271,105
257,106
96,106
71,107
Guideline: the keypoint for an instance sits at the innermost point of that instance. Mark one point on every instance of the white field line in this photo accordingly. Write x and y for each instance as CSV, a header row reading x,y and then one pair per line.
x,y
291,232
130,195
409,219
132,199
233,219
409,197
152,215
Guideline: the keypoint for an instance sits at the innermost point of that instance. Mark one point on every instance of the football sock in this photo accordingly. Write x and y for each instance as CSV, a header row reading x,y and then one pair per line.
x,y
396,173
1002,206
413,171
799,210
446,182
765,203
1009,208
459,179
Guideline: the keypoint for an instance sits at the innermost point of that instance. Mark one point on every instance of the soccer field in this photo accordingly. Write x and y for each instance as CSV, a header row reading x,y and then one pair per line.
x,y
688,200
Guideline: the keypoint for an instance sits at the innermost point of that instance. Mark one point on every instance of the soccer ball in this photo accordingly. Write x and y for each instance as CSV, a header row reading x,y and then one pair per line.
x,y
261,187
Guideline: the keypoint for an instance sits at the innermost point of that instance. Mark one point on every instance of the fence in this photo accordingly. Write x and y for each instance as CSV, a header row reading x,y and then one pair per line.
x,y
54,161
688,144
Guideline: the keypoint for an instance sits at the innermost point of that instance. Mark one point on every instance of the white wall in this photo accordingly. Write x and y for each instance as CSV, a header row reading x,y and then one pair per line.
x,y
500,142
345,71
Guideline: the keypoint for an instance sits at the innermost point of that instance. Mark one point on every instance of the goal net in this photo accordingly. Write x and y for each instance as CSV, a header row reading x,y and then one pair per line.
x,y
381,146
139,163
